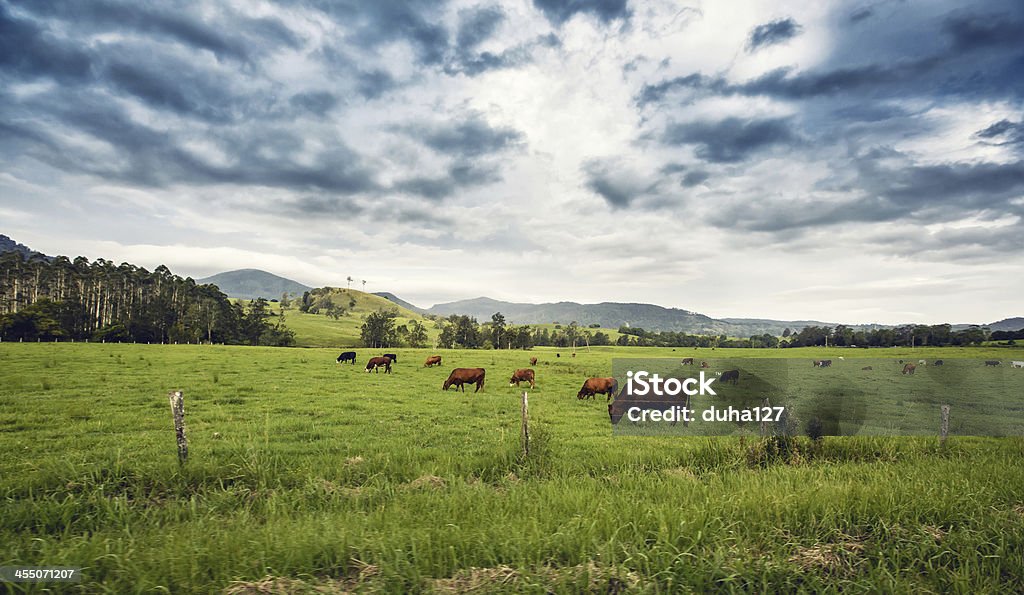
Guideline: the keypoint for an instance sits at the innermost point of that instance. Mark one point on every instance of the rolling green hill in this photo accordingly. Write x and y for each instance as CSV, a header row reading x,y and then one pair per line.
x,y
320,330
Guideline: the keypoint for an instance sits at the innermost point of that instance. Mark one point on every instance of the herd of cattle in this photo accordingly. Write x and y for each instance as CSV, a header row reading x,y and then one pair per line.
x,y
460,377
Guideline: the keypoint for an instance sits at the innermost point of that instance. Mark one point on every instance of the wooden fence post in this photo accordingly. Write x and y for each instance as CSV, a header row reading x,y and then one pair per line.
x,y
178,411
944,430
525,434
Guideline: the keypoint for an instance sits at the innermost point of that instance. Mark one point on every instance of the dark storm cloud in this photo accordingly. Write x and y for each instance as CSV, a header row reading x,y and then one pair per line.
x,y
976,31
459,176
772,33
472,64
784,83
732,139
27,51
145,156
560,11
966,55
861,14
975,243
315,102
695,178
620,186
226,39
1003,132
469,137
956,187
476,25
375,23
912,193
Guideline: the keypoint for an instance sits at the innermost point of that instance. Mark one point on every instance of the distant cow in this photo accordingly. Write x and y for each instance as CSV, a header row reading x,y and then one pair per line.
x,y
992,362
393,357
922,362
377,362
348,356
1017,364
574,354
522,375
558,355
594,386
733,375
704,365
462,376
938,362
533,361
866,368
687,361
909,369
434,360
822,363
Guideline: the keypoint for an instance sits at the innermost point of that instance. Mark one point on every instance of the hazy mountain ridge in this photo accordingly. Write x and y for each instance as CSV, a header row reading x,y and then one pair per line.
x,y
605,314
9,245
254,283
399,301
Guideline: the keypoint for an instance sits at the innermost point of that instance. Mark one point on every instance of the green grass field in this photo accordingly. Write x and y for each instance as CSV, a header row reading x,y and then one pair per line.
x,y
309,476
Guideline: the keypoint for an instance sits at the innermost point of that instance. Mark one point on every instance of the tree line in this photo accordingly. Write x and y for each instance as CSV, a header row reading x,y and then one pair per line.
x,y
465,332
58,298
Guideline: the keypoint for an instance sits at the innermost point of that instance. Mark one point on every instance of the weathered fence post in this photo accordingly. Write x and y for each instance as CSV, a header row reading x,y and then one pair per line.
x,y
525,434
178,411
944,431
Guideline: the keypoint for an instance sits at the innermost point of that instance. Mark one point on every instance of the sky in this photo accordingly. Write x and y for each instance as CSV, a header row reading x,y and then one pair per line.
x,y
850,161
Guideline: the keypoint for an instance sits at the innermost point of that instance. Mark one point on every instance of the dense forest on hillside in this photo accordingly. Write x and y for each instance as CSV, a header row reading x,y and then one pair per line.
x,y
59,298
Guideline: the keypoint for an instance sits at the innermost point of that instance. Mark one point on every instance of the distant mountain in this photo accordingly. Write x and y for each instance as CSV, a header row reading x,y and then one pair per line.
x,y
613,315
399,301
9,245
1007,324
605,314
254,283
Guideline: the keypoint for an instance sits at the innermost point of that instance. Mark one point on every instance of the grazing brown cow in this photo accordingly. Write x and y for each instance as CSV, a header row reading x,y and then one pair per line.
x,y
533,361
434,360
462,376
593,386
733,375
522,375
909,369
687,361
704,365
377,362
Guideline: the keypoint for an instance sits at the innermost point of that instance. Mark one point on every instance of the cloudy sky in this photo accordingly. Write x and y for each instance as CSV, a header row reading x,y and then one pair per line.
x,y
849,161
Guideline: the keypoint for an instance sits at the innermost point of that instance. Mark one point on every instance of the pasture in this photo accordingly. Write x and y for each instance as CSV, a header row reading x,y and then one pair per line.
x,y
304,474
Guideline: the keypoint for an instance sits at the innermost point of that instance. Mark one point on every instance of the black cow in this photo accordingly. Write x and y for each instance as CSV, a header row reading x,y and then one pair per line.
x,y
348,356
938,362
733,375
992,362
394,358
